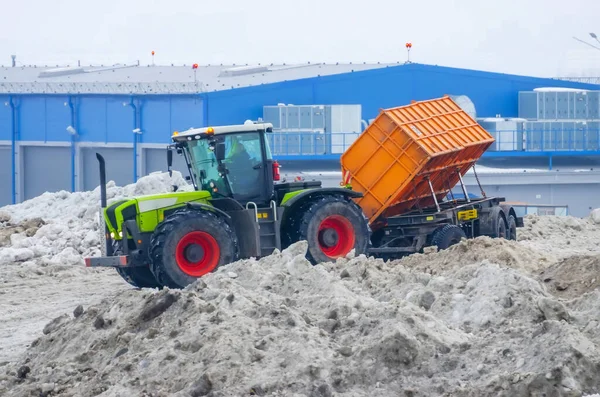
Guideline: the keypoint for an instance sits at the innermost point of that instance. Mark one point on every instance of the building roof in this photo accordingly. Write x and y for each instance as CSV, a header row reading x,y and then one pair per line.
x,y
135,79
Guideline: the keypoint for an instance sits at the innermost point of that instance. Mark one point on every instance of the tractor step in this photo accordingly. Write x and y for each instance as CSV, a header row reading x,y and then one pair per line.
x,y
269,236
269,226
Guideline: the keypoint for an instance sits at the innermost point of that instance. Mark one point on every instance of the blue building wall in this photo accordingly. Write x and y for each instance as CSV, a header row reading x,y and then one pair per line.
x,y
99,118
492,93
105,120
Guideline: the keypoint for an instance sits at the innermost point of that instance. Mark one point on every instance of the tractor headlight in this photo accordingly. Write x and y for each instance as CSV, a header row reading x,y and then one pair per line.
x,y
112,235
121,234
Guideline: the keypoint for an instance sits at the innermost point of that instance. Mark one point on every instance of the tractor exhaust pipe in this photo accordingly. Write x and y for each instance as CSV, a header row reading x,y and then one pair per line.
x,y
102,180
103,203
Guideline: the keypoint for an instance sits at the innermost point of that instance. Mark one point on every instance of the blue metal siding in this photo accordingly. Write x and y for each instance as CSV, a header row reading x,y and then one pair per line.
x,y
32,118
5,119
185,112
92,116
238,105
492,93
120,120
58,118
156,120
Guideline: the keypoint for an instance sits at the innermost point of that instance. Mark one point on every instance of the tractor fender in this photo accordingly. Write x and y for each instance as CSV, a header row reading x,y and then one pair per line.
x,y
488,221
309,195
320,192
206,207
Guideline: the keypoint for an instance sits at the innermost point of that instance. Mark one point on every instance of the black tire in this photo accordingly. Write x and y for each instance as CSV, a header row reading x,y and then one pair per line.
x,y
500,228
512,228
139,277
190,244
322,223
447,236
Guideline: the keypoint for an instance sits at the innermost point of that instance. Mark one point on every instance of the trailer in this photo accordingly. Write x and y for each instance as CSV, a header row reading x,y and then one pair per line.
x,y
405,165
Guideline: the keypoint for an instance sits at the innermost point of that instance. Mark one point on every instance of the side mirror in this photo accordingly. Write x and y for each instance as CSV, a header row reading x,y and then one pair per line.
x,y
170,161
220,151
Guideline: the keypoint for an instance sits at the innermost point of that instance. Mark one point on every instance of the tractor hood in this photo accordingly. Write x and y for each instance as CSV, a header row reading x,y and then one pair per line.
x,y
148,211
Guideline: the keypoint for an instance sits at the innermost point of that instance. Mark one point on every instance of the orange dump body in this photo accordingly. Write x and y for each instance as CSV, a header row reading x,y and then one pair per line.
x,y
404,148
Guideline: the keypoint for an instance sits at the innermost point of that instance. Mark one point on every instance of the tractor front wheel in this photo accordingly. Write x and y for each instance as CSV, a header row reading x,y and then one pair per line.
x,y
190,244
139,277
333,227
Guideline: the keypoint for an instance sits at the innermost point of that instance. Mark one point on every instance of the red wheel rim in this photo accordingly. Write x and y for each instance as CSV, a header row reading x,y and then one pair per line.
x,y
197,253
336,236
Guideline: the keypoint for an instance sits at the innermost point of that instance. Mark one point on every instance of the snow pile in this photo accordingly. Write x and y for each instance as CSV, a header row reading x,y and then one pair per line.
x,y
70,229
357,327
561,236
485,317
42,245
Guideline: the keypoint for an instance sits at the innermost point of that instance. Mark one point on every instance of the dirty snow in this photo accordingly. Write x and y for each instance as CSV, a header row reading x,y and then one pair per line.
x,y
42,245
483,318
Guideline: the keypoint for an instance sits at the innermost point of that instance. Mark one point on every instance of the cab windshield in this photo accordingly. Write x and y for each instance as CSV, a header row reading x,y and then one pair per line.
x,y
243,164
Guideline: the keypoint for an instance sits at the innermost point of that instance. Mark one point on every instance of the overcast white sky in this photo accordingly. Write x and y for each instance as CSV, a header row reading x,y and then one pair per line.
x,y
530,37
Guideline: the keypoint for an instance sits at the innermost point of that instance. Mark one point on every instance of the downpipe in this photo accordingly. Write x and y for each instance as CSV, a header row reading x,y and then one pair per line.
x,y
136,132
73,150
13,144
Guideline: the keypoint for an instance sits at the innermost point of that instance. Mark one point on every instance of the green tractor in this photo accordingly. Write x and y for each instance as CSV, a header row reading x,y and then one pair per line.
x,y
239,209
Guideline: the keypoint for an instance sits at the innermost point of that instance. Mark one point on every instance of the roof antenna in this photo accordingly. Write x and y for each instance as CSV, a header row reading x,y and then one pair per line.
x,y
14,60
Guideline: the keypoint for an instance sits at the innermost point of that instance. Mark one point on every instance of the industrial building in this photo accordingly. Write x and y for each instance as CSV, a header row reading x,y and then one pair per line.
x,y
54,118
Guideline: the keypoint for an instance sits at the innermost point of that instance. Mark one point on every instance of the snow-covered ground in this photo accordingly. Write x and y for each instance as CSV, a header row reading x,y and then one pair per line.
x,y
483,318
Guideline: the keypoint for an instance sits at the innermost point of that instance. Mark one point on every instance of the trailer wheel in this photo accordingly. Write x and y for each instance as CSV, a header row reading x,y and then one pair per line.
x,y
190,244
333,227
512,228
500,227
448,236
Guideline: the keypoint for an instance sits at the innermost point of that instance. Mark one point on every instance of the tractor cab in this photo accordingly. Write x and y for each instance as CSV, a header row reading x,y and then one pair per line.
x,y
233,162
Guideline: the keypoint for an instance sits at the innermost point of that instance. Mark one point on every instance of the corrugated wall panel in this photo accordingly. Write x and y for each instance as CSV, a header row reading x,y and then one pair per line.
x,y
5,119
156,160
92,117
156,120
492,93
236,106
45,169
58,118
120,120
5,176
119,163
186,112
32,118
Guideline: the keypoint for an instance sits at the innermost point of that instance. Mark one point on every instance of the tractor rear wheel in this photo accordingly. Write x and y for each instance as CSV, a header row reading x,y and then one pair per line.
x,y
333,227
190,244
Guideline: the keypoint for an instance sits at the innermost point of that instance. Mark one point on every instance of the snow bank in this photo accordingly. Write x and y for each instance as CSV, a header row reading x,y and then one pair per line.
x,y
60,229
483,318
358,327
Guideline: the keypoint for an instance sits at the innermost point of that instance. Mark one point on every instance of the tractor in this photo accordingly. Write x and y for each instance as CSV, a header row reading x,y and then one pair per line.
x,y
239,208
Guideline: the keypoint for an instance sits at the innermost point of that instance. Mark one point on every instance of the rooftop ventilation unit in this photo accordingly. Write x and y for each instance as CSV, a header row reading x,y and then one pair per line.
x,y
78,70
242,70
